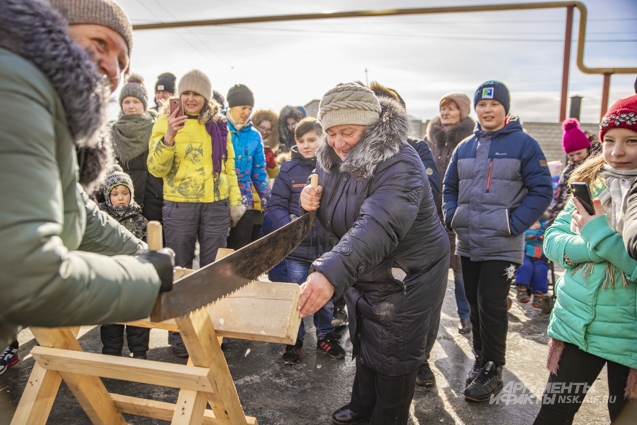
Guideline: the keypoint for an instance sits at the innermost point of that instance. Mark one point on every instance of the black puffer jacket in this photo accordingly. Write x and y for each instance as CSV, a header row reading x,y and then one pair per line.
x,y
379,205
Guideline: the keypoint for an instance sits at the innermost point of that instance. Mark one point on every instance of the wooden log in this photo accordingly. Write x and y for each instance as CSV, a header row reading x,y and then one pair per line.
x,y
124,368
260,311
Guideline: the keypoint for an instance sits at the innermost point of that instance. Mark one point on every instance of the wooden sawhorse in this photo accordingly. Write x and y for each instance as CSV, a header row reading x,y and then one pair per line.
x,y
260,311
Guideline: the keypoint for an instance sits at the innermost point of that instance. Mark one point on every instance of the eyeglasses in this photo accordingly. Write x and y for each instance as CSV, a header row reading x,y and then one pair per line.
x,y
265,129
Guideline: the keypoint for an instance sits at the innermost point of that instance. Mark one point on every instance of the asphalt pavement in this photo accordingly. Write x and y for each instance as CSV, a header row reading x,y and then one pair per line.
x,y
309,392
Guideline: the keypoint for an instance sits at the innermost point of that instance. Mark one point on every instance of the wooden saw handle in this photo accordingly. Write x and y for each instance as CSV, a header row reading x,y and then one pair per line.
x,y
154,236
313,180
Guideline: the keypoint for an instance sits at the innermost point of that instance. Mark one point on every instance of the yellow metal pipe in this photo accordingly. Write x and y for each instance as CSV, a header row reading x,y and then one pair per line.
x,y
412,11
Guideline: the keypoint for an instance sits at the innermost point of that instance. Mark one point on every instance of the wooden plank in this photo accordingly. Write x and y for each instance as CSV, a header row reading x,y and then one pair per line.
x,y
65,338
88,390
190,408
200,339
38,397
124,368
273,314
159,409
94,399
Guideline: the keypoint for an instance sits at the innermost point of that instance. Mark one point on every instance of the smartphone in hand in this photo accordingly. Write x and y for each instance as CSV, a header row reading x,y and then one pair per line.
x,y
581,192
176,104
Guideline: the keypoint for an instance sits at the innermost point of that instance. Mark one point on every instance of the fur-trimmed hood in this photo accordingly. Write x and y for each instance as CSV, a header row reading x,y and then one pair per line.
x,y
286,137
36,32
268,115
452,136
381,141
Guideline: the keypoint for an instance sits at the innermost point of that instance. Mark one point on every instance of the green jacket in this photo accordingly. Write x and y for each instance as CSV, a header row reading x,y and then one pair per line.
x,y
47,222
596,306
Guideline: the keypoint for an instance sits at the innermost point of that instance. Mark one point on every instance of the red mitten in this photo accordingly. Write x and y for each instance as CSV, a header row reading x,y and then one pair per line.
x,y
270,158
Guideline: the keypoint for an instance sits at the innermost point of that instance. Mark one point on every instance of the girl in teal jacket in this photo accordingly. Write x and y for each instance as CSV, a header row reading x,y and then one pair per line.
x,y
594,321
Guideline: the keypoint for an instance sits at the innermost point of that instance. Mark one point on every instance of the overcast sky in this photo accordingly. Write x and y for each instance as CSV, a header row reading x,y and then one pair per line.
x,y
420,56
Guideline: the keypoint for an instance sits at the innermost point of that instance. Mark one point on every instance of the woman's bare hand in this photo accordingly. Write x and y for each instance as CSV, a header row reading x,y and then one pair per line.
x,y
175,123
317,291
311,198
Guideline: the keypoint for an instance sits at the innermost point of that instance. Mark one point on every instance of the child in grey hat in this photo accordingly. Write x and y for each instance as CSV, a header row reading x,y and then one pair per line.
x,y
120,204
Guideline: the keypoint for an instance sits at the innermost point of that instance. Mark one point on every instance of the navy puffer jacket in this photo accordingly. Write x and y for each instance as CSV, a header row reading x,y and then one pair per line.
x,y
284,202
378,204
497,185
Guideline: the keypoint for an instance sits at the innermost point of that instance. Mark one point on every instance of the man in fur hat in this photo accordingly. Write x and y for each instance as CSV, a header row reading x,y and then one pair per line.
x,y
64,266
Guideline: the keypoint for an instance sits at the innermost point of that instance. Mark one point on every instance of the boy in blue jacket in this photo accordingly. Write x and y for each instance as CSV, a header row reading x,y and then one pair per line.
x,y
283,207
496,186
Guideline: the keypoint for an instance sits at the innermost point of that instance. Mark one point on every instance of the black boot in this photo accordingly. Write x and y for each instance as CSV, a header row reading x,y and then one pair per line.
x,y
425,377
465,326
346,416
488,383
475,369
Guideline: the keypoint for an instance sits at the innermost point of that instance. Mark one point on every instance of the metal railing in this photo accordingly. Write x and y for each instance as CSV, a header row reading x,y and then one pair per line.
x,y
569,5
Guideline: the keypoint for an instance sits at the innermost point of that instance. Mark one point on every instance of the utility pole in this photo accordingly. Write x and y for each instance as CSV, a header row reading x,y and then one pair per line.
x,y
366,80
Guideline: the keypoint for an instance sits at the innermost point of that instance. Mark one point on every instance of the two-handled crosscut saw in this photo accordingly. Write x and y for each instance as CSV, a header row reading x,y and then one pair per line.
x,y
223,277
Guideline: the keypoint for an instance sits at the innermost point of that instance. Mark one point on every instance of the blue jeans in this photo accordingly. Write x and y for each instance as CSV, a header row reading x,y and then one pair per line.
x,y
533,273
279,273
297,273
462,304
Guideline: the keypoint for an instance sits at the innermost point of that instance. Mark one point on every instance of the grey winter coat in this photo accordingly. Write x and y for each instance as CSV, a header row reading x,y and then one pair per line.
x,y
378,204
51,106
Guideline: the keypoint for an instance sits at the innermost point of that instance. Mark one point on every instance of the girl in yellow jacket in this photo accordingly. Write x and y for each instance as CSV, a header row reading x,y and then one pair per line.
x,y
191,151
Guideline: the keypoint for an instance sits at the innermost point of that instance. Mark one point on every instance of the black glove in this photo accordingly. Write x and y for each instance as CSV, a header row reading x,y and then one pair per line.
x,y
164,262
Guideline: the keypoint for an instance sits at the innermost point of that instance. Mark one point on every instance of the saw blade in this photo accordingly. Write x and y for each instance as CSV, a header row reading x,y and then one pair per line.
x,y
223,277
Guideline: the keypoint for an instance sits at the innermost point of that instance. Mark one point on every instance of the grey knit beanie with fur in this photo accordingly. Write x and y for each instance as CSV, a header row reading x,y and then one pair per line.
x,y
349,103
196,81
106,13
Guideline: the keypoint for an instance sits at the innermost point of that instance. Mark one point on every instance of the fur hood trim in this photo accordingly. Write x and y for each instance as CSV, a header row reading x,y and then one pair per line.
x,y
286,136
381,141
268,115
34,31
440,137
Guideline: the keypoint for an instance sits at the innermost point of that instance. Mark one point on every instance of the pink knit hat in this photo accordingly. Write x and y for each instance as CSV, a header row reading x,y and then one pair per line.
x,y
460,99
574,139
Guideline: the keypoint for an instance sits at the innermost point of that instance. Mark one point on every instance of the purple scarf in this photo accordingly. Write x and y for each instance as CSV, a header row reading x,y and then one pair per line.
x,y
219,135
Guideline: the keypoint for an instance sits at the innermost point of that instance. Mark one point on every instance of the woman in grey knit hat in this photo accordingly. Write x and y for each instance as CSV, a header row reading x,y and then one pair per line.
x,y
392,253
191,151
130,135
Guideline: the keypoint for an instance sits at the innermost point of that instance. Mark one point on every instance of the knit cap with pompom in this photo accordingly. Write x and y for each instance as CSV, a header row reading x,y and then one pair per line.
x,y
574,139
348,103
134,88
117,177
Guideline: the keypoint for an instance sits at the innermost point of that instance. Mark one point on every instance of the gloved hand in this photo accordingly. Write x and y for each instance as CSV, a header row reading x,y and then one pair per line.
x,y
270,158
164,262
236,212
